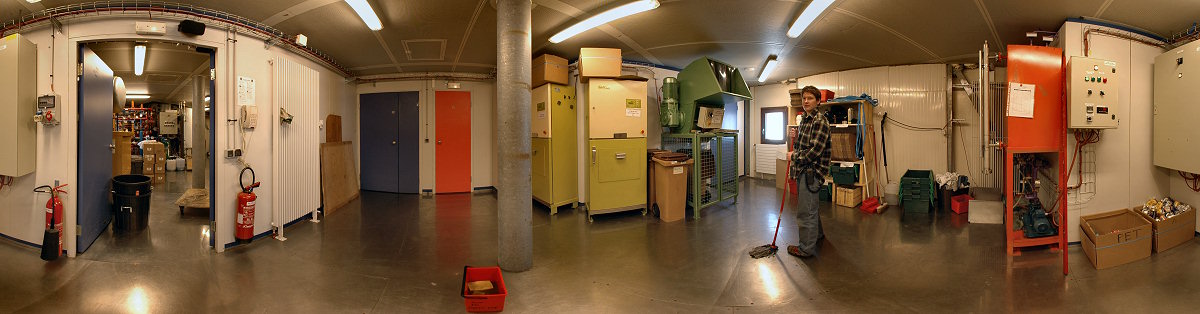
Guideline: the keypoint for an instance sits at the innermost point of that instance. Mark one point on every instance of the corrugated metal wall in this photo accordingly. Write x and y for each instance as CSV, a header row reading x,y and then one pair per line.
x,y
299,155
915,95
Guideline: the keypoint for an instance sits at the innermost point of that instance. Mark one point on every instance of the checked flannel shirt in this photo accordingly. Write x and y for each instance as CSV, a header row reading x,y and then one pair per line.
x,y
812,151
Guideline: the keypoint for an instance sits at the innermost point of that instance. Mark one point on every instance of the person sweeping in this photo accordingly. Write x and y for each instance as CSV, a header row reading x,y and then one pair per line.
x,y
809,164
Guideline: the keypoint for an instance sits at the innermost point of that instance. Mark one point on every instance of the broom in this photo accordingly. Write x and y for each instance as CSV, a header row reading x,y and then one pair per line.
x,y
770,249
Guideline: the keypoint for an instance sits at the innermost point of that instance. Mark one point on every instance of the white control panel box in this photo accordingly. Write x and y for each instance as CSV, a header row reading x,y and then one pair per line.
x,y
1176,139
1092,86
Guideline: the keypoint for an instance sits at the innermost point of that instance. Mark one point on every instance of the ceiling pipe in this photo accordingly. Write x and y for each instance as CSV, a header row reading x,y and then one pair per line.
x,y
410,76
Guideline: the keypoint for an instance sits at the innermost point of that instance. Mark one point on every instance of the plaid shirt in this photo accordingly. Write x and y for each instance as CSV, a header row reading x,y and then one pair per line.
x,y
812,151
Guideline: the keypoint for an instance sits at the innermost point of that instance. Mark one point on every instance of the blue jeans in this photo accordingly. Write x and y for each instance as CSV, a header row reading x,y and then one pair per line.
x,y
808,219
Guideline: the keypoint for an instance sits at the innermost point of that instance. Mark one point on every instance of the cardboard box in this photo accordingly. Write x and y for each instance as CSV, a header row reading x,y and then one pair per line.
x,y
154,148
781,173
549,69
160,169
159,179
1115,238
847,196
599,62
1173,231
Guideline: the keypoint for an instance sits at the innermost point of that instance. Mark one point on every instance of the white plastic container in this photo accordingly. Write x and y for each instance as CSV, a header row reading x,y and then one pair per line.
x,y
891,193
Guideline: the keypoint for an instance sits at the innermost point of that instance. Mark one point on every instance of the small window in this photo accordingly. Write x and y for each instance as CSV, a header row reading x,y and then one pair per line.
x,y
774,125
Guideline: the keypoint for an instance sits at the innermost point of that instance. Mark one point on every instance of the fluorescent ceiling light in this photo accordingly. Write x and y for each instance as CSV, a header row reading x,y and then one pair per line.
x,y
772,63
136,96
366,14
603,18
807,17
33,1
139,59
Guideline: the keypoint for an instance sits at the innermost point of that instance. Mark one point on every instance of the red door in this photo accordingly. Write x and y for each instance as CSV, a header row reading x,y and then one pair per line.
x,y
453,141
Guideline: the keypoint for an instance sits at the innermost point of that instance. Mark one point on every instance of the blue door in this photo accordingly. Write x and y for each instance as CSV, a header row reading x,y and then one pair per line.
x,y
389,133
95,147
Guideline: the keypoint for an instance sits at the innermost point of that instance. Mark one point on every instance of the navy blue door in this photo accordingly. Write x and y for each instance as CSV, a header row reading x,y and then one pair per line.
x,y
95,147
389,128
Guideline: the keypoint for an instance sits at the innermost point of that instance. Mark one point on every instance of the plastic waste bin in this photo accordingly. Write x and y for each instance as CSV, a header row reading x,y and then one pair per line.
x,y
131,202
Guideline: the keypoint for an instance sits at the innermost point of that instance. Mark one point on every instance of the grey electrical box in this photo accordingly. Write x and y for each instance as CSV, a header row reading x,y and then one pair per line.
x,y
1176,139
18,102
1092,98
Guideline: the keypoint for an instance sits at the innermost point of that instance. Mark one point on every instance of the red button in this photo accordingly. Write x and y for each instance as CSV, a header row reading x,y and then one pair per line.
x,y
1106,81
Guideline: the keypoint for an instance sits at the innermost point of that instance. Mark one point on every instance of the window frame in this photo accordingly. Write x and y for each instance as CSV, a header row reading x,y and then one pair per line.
x,y
763,131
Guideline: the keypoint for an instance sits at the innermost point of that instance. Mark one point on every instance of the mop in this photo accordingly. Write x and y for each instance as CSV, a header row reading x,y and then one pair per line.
x,y
770,249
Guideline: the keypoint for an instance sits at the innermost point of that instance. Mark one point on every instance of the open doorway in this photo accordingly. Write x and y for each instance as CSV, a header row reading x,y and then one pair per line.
x,y
145,109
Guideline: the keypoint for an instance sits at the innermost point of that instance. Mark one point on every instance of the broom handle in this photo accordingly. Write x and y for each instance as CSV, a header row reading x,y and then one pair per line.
x,y
786,191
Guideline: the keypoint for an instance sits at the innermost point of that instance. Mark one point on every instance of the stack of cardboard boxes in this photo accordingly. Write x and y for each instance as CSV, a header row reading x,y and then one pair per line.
x,y
154,162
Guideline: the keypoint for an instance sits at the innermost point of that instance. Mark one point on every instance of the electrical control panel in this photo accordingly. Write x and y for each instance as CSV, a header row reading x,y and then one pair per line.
x,y
1176,140
1092,86
18,105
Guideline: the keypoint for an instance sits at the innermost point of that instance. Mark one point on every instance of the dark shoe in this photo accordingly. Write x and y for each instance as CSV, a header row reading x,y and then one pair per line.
x,y
795,251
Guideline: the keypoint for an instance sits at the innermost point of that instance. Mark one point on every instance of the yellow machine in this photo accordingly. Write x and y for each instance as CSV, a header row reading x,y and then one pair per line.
x,y
555,158
616,145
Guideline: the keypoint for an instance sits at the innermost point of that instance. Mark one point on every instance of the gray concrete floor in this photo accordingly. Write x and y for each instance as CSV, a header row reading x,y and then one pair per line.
x,y
388,253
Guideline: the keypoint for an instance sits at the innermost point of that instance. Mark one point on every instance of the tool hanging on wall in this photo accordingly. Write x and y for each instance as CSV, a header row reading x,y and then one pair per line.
x,y
245,210
284,116
52,241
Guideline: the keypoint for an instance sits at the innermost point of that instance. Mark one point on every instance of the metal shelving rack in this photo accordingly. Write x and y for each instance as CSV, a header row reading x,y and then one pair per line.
x,y
867,167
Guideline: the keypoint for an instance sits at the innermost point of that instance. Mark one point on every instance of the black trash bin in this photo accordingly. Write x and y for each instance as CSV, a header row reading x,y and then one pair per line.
x,y
131,202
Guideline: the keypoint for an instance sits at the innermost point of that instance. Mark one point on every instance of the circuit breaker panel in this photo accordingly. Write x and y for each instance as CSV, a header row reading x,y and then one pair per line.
x,y
1092,93
18,102
1176,140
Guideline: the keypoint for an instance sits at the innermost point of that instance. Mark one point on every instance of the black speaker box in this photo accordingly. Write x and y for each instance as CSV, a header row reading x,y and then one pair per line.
x,y
191,27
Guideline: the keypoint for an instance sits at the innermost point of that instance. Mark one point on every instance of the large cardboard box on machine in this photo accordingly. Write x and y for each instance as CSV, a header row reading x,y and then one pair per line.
x,y
1115,238
549,68
599,62
1173,231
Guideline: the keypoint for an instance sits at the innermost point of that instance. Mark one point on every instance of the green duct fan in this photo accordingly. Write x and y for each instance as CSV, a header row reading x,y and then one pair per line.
x,y
706,86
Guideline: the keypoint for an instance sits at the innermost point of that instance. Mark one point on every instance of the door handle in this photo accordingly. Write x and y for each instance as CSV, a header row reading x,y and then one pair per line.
x,y
112,148
393,142
593,155
620,155
439,142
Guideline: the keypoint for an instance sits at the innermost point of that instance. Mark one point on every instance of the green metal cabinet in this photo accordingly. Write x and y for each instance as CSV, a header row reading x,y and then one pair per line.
x,y
554,156
617,180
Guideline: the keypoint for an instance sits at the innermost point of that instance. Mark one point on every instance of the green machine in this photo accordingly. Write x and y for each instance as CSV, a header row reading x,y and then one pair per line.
x,y
703,90
554,158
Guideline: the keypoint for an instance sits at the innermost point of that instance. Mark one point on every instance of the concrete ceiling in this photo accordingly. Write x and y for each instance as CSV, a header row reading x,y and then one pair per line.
x,y
168,70
459,35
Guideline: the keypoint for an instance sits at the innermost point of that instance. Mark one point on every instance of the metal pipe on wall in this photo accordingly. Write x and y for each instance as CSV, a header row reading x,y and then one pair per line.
x,y
513,83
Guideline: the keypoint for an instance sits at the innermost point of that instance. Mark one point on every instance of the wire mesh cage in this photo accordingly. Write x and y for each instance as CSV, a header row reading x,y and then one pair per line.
x,y
714,178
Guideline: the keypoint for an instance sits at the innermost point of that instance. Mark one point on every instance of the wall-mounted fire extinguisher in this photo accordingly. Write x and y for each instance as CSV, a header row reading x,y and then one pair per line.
x,y
245,210
52,242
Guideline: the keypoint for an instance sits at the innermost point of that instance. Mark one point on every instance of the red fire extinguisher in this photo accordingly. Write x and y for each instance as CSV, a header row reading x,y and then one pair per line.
x,y
54,221
245,210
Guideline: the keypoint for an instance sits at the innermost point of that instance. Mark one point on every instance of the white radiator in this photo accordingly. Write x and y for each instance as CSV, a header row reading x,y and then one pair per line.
x,y
765,156
298,158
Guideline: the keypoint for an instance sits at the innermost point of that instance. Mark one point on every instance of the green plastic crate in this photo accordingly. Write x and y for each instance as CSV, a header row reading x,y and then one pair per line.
x,y
918,182
844,175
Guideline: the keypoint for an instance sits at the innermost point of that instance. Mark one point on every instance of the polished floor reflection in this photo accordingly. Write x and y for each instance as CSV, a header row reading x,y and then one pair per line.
x,y
388,253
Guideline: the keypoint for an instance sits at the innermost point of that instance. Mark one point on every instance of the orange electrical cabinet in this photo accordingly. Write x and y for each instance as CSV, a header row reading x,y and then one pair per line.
x,y
1043,69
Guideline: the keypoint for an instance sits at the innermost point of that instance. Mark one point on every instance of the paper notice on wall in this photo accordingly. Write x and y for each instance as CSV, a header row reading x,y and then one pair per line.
x,y
1020,100
633,113
245,90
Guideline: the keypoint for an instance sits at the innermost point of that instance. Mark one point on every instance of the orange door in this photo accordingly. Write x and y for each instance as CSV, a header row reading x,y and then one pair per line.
x,y
453,141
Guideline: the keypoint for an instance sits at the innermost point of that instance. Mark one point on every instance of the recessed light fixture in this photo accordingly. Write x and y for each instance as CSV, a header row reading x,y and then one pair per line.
x,y
772,63
808,16
137,96
605,17
139,59
366,14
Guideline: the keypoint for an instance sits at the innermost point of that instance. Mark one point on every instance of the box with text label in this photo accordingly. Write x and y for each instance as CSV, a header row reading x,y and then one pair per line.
x,y
1115,238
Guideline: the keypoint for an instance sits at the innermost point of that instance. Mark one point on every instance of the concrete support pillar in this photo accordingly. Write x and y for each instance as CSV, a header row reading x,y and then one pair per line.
x,y
198,134
514,190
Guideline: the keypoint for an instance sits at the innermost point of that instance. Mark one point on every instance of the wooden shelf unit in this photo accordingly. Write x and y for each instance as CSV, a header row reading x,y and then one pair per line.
x,y
868,169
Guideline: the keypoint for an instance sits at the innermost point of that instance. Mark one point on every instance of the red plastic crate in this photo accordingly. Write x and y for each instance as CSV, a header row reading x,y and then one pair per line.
x,y
960,203
486,302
